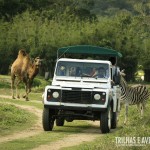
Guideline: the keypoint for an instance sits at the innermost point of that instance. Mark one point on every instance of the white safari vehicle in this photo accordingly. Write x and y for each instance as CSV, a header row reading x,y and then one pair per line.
x,y
83,89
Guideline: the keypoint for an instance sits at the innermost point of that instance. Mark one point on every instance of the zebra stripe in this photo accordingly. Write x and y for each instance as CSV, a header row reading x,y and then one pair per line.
x,y
131,95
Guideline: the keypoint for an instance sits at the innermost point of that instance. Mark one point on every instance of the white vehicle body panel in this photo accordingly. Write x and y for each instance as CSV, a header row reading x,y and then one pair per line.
x,y
85,84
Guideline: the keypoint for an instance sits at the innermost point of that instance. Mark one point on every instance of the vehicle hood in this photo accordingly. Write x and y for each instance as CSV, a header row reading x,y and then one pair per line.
x,y
81,84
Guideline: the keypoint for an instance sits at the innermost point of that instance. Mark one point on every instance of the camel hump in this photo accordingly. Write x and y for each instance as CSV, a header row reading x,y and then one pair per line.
x,y
19,60
22,52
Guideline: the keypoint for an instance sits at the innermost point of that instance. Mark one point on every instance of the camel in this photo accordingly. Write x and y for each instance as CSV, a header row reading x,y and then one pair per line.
x,y
24,70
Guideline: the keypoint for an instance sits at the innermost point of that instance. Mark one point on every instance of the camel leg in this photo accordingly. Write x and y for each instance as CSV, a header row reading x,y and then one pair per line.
x,y
12,86
25,80
26,94
17,93
27,89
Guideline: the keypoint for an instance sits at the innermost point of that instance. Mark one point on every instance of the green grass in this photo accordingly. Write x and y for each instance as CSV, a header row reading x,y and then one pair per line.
x,y
23,102
38,85
14,119
136,127
4,81
46,137
37,90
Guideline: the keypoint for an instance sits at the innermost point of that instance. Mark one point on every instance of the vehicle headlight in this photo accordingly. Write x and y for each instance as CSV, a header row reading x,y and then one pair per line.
x,y
55,94
97,96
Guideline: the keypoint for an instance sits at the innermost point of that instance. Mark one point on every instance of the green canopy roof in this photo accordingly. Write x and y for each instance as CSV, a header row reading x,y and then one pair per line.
x,y
88,49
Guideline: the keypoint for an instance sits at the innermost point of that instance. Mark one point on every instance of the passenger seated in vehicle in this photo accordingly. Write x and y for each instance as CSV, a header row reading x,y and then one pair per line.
x,y
62,71
93,72
100,73
78,72
72,71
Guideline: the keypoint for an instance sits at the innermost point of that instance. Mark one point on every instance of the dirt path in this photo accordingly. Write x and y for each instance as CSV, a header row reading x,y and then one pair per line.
x,y
70,140
73,139
5,96
22,99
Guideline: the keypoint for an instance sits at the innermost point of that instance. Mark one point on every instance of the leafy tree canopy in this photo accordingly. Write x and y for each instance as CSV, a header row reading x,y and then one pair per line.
x,y
42,26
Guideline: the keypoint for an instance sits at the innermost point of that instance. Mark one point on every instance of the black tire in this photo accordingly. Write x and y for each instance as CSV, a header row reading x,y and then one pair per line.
x,y
60,121
47,120
105,121
114,120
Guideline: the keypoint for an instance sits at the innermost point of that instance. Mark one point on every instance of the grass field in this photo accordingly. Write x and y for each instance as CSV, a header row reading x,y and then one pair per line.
x,y
14,120
136,127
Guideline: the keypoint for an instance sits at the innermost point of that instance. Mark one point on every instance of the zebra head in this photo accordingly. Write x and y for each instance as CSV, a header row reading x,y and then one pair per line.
x,y
122,79
122,73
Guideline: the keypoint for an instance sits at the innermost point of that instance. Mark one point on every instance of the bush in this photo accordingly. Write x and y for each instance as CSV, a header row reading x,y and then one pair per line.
x,y
36,82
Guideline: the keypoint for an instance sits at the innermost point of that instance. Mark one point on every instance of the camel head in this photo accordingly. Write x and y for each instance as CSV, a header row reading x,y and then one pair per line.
x,y
37,62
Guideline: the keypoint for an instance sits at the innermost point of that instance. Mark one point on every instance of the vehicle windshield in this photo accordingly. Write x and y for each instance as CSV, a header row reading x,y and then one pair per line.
x,y
82,69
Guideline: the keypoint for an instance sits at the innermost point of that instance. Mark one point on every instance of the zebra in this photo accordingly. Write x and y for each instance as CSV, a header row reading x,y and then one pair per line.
x,y
133,95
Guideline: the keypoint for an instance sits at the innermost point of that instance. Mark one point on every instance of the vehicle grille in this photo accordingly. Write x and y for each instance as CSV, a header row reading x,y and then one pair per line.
x,y
82,97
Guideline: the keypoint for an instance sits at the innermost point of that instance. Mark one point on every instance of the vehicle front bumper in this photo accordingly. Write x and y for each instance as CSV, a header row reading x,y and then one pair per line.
x,y
63,107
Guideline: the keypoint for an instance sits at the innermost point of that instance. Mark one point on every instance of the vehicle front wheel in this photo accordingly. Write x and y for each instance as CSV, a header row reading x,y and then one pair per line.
x,y
48,119
105,121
